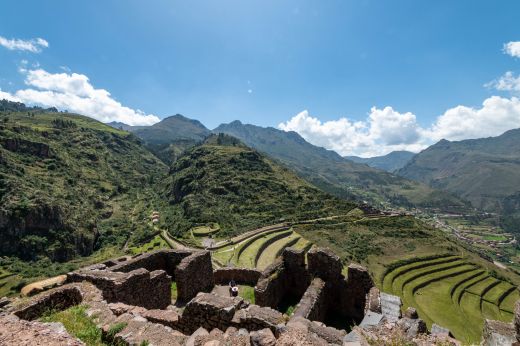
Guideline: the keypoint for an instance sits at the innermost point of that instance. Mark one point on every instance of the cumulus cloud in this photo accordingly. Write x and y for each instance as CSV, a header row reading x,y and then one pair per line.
x,y
383,131
75,93
508,82
34,45
512,48
387,130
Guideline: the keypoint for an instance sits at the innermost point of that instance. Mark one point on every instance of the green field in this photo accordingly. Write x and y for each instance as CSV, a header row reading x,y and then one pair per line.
x,y
260,250
453,292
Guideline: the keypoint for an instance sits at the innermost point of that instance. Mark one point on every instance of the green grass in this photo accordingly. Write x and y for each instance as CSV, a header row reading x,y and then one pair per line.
x,y
269,254
224,255
481,286
301,244
114,329
509,302
391,277
157,242
247,257
435,288
173,290
494,294
495,237
204,231
247,292
78,324
439,307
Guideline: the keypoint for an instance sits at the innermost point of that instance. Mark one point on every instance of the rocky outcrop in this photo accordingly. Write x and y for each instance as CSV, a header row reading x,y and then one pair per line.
x,y
24,146
15,332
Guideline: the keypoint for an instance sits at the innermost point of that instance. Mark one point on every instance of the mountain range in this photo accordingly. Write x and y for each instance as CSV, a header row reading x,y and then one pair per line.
x,y
485,171
389,162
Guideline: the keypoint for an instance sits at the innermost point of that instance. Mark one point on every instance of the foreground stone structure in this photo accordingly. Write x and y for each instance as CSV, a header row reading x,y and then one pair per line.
x,y
323,290
135,293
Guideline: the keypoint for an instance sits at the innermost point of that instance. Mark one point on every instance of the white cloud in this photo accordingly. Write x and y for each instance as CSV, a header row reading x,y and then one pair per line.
x,y
34,45
512,48
75,93
386,130
496,116
508,82
7,96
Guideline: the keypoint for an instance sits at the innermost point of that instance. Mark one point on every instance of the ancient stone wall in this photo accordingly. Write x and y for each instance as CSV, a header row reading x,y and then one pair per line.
x,y
354,293
210,311
166,260
271,286
59,299
313,305
323,263
138,287
243,276
194,274
298,277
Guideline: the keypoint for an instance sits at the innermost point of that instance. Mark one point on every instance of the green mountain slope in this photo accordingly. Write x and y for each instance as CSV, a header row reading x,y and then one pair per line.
x,y
224,181
334,174
484,171
68,184
168,138
389,162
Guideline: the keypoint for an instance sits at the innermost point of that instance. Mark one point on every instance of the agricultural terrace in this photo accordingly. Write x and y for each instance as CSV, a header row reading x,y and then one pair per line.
x,y
260,250
452,291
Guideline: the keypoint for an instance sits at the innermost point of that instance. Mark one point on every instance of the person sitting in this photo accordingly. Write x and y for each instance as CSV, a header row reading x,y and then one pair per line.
x,y
234,291
233,288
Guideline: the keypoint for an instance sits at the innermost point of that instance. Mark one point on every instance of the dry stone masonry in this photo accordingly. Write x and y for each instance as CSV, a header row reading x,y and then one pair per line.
x,y
136,293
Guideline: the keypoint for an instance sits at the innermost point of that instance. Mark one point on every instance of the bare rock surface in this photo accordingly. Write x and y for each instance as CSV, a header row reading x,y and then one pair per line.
x,y
264,337
14,332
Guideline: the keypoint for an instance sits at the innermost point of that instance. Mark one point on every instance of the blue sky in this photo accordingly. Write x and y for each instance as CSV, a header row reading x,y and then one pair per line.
x,y
264,62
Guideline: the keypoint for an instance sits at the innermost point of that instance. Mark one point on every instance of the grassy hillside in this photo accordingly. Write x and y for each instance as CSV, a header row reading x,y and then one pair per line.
x,y
337,175
389,162
484,171
224,181
68,184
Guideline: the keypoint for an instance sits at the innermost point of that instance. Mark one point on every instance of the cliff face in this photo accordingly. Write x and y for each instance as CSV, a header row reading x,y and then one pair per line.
x,y
62,177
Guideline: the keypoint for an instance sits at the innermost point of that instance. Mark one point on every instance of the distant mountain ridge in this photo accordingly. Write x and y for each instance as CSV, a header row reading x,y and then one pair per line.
x,y
335,174
170,137
324,168
389,162
485,171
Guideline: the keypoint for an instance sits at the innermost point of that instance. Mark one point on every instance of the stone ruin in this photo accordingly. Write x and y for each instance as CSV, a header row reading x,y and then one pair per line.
x,y
136,294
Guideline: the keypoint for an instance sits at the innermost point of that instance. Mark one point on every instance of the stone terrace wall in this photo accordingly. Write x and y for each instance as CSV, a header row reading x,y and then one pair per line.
x,y
313,305
194,274
243,276
139,287
166,260
59,299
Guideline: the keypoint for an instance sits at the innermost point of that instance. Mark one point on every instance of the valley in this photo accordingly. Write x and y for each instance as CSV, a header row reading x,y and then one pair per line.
x,y
75,192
